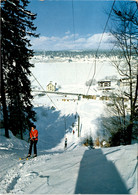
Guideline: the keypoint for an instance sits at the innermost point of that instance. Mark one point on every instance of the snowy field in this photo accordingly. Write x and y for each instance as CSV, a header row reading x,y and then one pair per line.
x,y
72,76
76,170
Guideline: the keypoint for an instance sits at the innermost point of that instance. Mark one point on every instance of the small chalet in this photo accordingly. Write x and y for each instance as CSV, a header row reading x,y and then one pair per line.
x,y
51,87
125,82
103,84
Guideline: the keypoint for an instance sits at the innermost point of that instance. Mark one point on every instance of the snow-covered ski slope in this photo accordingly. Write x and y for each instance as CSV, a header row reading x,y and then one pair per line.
x,y
76,169
80,170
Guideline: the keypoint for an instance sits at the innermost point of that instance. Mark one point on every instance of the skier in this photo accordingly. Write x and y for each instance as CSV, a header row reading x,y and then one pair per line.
x,y
65,143
33,140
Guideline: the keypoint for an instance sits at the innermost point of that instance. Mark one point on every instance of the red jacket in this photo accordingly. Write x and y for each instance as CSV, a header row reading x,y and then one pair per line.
x,y
34,134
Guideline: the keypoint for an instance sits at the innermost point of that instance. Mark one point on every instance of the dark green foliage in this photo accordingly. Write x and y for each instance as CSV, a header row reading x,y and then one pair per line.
x,y
88,141
115,139
16,25
121,137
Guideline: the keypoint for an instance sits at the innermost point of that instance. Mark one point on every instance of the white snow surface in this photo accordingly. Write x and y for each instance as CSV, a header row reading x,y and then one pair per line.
x,y
78,169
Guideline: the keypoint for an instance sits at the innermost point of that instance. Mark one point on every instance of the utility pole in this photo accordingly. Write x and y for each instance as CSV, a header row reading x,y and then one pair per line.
x,y
78,125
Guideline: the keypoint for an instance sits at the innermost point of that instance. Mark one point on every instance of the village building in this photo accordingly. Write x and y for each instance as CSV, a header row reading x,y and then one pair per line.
x,y
125,82
51,87
104,85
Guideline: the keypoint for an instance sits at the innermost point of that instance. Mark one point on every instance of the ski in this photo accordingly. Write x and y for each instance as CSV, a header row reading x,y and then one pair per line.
x,y
24,158
27,158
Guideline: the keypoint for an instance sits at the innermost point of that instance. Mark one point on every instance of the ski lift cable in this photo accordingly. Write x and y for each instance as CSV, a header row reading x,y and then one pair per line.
x,y
128,24
44,90
109,59
99,47
73,20
49,97
37,79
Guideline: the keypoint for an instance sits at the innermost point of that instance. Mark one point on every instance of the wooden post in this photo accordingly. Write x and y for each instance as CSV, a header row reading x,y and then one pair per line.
x,y
78,125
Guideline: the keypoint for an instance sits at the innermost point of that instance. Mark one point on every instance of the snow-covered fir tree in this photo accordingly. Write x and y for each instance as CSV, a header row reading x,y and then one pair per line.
x,y
16,26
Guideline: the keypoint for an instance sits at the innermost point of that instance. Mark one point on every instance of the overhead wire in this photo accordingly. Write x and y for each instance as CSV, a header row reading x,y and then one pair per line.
x,y
74,43
73,18
108,57
74,32
115,43
44,90
37,79
50,99
98,48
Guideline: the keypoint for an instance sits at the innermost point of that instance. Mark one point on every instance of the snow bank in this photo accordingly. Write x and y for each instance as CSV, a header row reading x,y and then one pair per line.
x,y
11,143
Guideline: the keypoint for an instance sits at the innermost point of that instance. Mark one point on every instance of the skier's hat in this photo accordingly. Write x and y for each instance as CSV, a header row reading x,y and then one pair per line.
x,y
33,126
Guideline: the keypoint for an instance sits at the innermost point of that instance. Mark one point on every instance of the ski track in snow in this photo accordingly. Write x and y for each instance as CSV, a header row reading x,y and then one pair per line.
x,y
22,174
49,172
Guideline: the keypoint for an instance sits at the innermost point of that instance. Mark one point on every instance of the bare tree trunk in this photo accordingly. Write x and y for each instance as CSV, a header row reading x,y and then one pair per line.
x,y
3,99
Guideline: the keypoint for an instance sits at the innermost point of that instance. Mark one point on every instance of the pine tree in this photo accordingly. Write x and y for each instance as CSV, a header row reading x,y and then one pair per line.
x,y
17,25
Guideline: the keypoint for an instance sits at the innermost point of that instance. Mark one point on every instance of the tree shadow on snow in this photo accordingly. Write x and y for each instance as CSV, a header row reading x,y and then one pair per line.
x,y
52,127
97,175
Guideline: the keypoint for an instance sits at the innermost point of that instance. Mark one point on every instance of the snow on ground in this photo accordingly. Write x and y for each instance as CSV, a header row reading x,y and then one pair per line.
x,y
76,170
80,170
